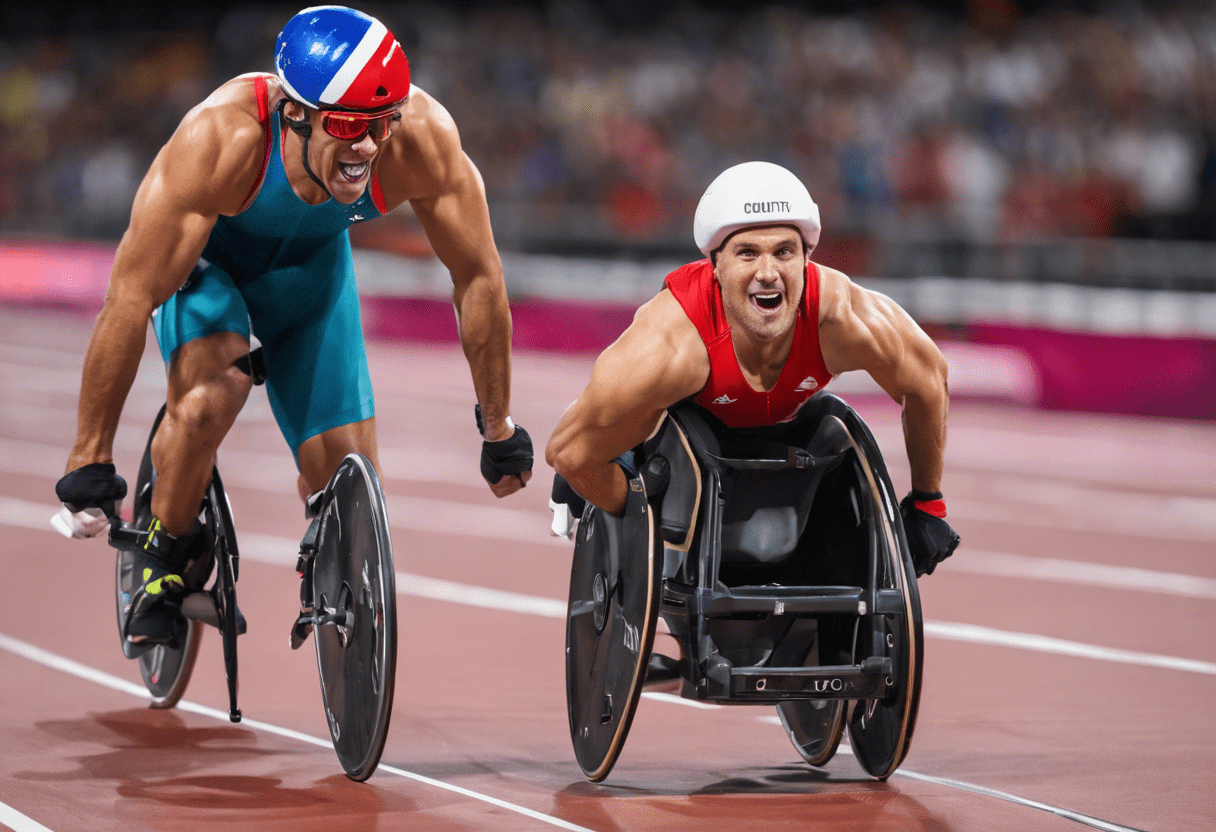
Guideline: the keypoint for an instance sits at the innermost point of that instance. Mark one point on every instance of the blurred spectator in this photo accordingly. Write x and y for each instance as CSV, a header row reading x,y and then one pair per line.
x,y
992,125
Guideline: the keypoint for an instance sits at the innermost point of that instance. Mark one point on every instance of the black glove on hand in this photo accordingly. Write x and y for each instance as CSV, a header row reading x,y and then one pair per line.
x,y
512,455
930,538
96,485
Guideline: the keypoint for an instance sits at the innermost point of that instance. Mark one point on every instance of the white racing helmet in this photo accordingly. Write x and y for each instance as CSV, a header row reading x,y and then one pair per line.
x,y
753,193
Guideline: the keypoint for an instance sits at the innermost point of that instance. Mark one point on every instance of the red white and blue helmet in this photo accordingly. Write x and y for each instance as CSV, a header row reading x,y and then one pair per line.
x,y
332,57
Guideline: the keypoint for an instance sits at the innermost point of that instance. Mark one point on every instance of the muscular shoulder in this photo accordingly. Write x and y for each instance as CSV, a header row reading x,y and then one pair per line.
x,y
663,349
216,153
424,159
858,327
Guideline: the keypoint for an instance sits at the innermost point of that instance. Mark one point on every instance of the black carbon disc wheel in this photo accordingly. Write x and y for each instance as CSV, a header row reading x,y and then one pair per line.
x,y
880,731
615,585
354,591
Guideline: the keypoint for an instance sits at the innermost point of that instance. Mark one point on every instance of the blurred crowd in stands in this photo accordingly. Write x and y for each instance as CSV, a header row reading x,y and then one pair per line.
x,y
989,124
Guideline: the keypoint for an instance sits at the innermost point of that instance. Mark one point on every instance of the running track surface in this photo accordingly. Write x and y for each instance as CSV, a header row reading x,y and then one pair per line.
x,y
1070,653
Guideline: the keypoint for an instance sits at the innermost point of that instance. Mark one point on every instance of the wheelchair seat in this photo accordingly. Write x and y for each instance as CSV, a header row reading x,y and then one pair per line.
x,y
767,486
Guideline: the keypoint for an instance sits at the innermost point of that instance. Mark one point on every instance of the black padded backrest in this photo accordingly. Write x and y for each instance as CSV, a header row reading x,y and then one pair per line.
x,y
766,513
765,510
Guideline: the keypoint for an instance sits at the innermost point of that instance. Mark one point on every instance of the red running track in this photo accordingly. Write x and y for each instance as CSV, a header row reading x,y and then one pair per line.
x,y
1070,658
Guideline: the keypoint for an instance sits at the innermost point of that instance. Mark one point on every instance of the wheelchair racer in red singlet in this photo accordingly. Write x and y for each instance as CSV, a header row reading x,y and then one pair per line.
x,y
751,333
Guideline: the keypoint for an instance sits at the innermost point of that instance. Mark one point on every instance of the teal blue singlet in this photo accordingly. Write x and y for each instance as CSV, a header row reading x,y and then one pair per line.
x,y
282,270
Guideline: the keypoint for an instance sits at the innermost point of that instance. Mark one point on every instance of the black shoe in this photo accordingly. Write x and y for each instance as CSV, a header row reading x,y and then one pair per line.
x,y
153,579
662,671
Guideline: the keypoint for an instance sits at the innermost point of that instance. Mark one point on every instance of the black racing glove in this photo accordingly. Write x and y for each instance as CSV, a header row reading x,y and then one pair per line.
x,y
96,485
512,455
930,538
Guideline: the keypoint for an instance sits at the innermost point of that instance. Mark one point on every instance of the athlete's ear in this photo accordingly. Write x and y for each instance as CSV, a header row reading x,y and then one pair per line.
x,y
294,110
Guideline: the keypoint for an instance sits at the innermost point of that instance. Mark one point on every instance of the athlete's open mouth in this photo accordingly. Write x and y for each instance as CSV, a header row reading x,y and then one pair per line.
x,y
353,173
768,300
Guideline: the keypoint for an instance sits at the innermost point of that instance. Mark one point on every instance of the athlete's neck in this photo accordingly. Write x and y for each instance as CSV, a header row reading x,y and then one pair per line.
x,y
761,360
301,183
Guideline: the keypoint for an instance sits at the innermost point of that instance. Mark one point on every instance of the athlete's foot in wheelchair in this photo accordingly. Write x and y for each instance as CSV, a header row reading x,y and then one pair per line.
x,y
150,603
161,582
663,673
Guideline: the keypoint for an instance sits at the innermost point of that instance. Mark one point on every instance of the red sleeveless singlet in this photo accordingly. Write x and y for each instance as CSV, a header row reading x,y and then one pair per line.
x,y
726,393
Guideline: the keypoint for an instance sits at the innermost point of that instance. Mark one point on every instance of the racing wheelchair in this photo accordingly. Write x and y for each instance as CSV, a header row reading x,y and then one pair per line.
x,y
777,559
348,599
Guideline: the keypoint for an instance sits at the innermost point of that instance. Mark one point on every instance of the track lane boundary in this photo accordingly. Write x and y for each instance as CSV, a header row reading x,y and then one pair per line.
x,y
263,548
18,822
53,661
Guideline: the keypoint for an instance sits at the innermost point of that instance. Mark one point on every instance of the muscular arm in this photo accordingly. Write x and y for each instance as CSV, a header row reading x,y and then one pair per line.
x,y
426,165
864,330
657,361
195,177
458,226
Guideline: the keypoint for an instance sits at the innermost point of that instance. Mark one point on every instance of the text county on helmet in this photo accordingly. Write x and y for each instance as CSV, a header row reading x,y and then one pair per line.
x,y
751,194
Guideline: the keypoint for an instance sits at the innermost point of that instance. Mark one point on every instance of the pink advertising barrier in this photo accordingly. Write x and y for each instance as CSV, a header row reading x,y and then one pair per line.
x,y
67,274
1137,374
1034,366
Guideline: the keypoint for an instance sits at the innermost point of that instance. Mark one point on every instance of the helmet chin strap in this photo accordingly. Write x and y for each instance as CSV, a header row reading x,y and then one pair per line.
x,y
302,129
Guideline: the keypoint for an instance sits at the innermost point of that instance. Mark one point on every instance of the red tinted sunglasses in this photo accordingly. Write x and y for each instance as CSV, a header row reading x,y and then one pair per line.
x,y
352,127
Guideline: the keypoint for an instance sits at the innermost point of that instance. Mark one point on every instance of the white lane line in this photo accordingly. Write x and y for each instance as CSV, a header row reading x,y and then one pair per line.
x,y
1079,817
497,522
1092,574
1071,507
56,662
18,822
1088,820
270,549
1189,523
672,699
479,596
281,551
977,634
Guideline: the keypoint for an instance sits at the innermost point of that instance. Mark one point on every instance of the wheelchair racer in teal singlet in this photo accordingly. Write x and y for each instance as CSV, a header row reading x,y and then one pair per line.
x,y
240,228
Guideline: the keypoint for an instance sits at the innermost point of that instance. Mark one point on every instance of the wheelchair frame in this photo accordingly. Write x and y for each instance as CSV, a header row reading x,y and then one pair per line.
x,y
882,681
690,609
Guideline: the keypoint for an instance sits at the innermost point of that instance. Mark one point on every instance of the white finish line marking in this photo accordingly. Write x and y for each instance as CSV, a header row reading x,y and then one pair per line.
x,y
281,551
89,674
